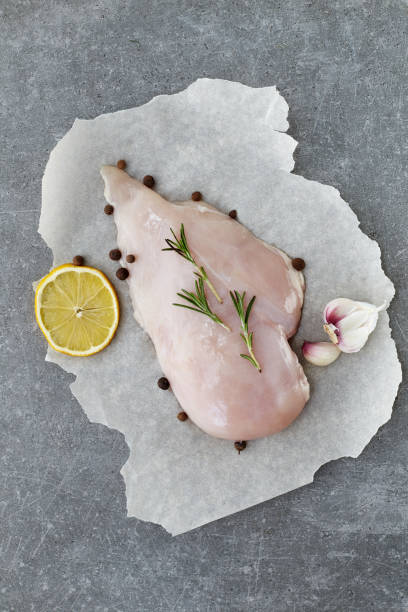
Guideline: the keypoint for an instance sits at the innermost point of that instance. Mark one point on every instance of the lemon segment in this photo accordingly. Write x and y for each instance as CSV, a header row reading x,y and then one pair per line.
x,y
77,310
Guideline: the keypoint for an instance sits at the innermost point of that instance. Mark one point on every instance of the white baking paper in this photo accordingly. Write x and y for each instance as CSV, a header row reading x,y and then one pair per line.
x,y
227,141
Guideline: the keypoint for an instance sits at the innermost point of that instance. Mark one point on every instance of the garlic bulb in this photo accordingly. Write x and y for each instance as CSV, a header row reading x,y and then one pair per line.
x,y
349,323
320,353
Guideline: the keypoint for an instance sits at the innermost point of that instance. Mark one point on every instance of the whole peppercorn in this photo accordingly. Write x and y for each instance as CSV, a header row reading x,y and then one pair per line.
x,y
163,383
130,258
233,214
148,181
121,164
115,254
182,416
240,445
108,210
298,263
122,273
196,196
78,260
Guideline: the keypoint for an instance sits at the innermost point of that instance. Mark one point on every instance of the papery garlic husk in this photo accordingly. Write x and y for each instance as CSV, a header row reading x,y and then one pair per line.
x,y
320,353
349,323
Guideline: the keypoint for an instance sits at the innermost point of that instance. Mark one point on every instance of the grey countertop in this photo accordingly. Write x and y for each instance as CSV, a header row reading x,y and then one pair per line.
x,y
339,544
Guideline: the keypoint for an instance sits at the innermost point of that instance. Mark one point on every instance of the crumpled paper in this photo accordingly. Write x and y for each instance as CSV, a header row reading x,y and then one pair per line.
x,y
227,141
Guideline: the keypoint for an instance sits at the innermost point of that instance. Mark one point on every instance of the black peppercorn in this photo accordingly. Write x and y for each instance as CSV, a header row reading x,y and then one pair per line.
x,y
233,214
130,258
148,181
240,445
182,416
108,210
78,260
163,383
298,263
121,164
115,254
196,196
122,273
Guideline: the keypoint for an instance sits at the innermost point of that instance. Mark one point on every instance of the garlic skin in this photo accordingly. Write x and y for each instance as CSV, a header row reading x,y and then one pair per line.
x,y
349,323
320,353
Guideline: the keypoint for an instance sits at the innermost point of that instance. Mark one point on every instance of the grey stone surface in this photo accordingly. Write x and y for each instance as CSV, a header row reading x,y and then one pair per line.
x,y
339,544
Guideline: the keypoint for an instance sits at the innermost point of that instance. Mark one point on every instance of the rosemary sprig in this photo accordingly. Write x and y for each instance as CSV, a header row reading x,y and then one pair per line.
x,y
199,302
238,301
180,246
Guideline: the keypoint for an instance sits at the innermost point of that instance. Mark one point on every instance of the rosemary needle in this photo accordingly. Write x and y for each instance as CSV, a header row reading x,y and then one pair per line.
x,y
180,246
238,301
198,301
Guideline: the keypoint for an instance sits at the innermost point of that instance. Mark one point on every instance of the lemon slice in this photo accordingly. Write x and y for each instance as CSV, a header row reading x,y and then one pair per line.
x,y
77,310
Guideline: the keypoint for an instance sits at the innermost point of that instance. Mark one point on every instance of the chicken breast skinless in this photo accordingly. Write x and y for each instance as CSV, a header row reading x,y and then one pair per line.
x,y
222,393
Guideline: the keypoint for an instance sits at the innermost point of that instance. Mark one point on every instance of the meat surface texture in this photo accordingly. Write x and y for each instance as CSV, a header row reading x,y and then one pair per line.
x,y
221,392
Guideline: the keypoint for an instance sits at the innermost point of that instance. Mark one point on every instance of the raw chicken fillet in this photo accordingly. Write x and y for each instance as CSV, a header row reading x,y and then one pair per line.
x,y
221,392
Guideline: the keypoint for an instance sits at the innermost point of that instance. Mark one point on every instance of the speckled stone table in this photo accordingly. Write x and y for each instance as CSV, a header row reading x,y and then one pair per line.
x,y
339,544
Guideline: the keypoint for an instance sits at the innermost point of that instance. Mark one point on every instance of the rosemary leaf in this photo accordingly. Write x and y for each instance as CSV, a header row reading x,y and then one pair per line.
x,y
199,302
243,314
180,246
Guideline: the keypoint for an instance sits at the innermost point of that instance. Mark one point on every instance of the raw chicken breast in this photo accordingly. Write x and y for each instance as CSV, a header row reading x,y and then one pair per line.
x,y
221,392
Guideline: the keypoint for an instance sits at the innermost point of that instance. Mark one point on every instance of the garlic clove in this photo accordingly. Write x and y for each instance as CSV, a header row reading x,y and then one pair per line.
x,y
337,309
353,340
349,323
320,353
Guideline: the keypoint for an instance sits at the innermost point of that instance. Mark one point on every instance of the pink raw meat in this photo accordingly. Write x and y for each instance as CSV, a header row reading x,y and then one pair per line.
x,y
221,392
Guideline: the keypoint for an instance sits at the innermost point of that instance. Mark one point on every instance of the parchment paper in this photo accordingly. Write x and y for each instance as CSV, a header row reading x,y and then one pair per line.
x,y
227,141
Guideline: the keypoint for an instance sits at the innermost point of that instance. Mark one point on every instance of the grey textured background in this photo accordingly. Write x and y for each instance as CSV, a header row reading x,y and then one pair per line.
x,y
65,543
